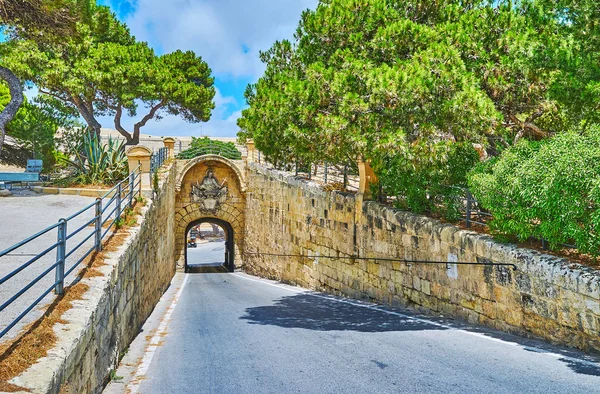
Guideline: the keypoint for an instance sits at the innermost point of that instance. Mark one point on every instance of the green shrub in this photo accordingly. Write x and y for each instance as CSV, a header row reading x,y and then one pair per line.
x,y
426,178
97,163
206,146
548,190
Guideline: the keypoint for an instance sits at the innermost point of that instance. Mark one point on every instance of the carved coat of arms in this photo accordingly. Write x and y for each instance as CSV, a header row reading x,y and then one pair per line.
x,y
209,194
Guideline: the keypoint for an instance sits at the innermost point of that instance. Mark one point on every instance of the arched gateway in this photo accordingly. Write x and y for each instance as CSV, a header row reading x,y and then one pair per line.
x,y
211,189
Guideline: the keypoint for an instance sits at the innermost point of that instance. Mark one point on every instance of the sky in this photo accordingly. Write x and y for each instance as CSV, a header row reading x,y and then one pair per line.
x,y
227,34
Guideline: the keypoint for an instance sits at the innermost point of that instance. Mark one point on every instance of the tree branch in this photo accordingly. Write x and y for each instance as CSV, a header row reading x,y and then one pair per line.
x,y
87,114
63,99
526,127
16,99
120,128
137,127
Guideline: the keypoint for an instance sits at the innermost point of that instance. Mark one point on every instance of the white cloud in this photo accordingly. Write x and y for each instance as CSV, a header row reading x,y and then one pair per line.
x,y
228,34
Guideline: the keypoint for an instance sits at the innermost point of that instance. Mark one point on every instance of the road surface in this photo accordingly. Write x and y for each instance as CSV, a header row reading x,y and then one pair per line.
x,y
235,333
206,253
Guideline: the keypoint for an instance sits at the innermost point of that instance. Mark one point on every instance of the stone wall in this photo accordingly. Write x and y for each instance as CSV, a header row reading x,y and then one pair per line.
x,y
545,297
101,326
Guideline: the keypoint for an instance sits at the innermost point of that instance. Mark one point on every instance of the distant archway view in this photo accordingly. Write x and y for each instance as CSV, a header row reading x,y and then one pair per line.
x,y
207,248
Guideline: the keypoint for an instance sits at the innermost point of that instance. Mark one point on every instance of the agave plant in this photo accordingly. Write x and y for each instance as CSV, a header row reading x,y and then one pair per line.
x,y
98,163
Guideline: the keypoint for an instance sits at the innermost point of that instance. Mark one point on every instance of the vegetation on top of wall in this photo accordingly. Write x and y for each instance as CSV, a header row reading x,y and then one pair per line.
x,y
428,179
412,85
548,190
206,146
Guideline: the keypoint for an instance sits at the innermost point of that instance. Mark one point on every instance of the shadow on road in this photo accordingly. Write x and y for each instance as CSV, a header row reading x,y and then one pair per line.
x,y
325,313
322,314
206,268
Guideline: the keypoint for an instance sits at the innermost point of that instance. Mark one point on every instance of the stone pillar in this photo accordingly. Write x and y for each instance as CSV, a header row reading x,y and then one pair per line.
x,y
170,144
251,149
367,178
140,155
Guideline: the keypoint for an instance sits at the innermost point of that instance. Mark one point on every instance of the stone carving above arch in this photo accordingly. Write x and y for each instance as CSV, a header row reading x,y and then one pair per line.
x,y
200,159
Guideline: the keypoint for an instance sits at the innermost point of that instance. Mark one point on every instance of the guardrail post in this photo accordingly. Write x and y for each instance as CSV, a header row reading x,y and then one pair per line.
x,y
131,185
140,175
61,251
98,225
469,201
345,177
118,201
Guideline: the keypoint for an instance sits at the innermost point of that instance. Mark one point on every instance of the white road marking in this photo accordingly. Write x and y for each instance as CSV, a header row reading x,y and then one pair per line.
x,y
378,309
134,385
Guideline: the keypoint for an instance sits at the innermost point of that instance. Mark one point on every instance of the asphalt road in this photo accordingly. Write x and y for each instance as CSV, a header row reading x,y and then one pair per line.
x,y
234,333
206,253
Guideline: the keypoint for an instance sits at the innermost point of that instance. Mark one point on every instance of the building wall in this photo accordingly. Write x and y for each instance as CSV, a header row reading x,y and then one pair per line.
x,y
545,297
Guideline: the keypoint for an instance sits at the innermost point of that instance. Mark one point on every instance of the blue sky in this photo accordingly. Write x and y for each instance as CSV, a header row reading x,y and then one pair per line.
x,y
228,34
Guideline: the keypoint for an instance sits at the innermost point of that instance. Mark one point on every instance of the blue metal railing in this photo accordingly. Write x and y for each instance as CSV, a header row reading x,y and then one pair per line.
x,y
158,158
121,197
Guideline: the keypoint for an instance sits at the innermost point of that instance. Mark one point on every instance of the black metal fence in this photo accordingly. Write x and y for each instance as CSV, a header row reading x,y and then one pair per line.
x,y
473,213
158,158
331,176
106,213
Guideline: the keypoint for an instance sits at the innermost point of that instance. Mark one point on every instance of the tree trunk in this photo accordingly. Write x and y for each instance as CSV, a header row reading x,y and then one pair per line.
x,y
16,99
87,113
129,139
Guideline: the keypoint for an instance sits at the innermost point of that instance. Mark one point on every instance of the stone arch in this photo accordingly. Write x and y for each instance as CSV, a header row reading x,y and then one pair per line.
x,y
229,240
215,158
189,208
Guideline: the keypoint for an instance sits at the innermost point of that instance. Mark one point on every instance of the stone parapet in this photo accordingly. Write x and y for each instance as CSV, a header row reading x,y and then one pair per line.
x,y
100,327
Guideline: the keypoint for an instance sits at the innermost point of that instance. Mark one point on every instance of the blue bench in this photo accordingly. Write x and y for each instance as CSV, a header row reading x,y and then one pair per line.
x,y
31,174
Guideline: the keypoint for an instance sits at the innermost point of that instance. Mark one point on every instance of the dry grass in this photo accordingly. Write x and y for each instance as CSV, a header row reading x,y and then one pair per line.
x,y
39,337
6,387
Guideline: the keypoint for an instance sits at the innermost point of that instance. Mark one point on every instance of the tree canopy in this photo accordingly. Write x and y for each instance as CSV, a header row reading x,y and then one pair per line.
x,y
36,123
372,77
41,20
103,70
207,146
399,83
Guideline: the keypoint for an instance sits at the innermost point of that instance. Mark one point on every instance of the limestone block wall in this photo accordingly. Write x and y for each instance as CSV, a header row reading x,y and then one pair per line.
x,y
546,296
187,211
100,327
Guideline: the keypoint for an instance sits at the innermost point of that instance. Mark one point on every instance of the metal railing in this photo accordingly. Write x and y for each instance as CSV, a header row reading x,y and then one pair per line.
x,y
158,158
335,177
472,213
107,212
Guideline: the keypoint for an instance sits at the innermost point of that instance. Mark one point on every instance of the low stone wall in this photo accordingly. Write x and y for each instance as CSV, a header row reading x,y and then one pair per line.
x,y
71,191
100,327
545,297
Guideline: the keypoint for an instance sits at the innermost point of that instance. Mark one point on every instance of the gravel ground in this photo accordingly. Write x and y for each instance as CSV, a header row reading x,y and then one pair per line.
x,y
22,215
